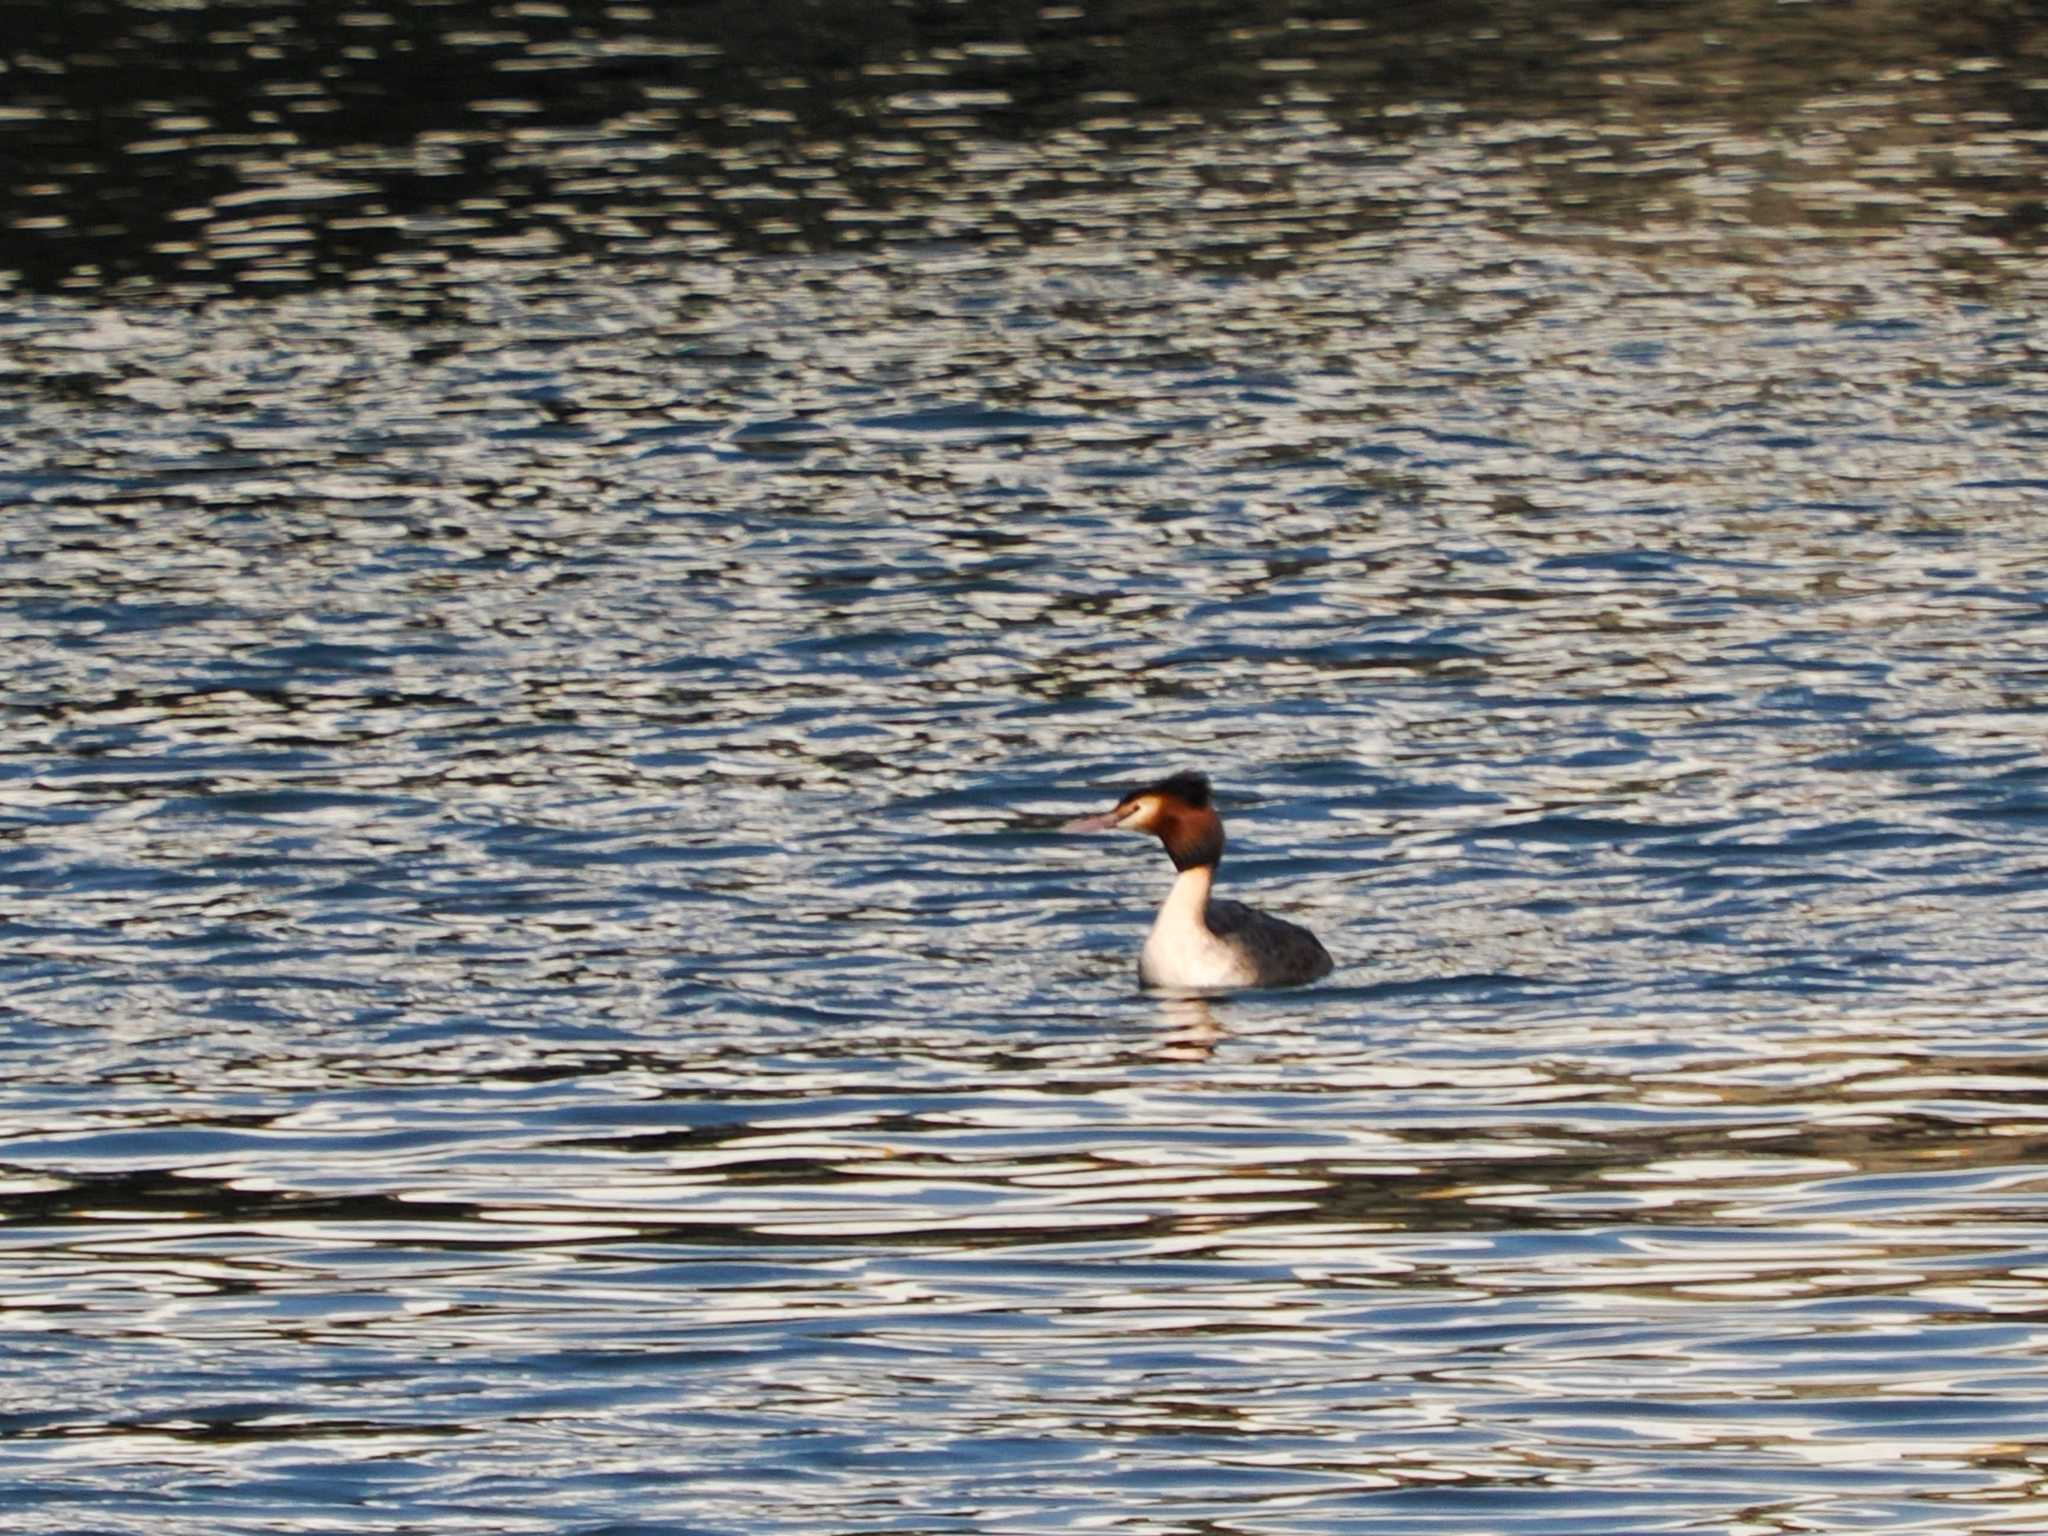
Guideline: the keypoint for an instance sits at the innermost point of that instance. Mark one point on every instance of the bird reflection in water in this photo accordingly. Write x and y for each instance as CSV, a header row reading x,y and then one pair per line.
x,y
1189,1030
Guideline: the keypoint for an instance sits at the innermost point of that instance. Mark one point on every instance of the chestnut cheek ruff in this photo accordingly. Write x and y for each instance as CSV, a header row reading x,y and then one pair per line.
x,y
1192,837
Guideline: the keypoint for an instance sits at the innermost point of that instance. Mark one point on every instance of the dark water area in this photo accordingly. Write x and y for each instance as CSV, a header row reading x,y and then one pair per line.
x,y
562,564
260,147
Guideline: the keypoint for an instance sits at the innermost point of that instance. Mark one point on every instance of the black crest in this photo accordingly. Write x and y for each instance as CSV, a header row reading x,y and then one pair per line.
x,y
1188,786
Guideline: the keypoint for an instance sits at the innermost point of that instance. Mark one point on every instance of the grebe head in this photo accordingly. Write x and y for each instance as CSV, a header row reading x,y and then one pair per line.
x,y
1175,810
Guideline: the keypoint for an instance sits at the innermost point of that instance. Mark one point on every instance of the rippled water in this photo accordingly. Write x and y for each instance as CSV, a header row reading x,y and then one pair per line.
x,y
551,619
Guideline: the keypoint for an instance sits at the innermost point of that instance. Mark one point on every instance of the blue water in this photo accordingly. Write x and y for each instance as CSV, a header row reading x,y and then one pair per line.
x,y
541,989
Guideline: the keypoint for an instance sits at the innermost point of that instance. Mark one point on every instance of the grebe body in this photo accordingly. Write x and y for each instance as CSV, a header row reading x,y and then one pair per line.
x,y
1198,942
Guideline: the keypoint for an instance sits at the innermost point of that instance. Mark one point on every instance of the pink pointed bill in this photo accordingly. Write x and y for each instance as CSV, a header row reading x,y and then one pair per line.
x,y
1103,823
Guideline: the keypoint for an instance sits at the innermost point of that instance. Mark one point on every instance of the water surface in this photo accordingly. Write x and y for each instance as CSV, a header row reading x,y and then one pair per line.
x,y
551,619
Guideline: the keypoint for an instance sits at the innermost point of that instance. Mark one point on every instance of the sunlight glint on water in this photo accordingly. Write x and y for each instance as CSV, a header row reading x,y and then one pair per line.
x,y
549,632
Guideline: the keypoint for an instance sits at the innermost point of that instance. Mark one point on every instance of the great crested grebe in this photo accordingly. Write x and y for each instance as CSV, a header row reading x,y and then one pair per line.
x,y
1197,941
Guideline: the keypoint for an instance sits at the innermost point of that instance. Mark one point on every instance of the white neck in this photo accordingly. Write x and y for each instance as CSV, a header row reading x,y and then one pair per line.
x,y
1181,951
1188,900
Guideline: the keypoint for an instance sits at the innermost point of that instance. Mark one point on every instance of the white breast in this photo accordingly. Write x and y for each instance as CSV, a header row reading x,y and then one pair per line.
x,y
1180,951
